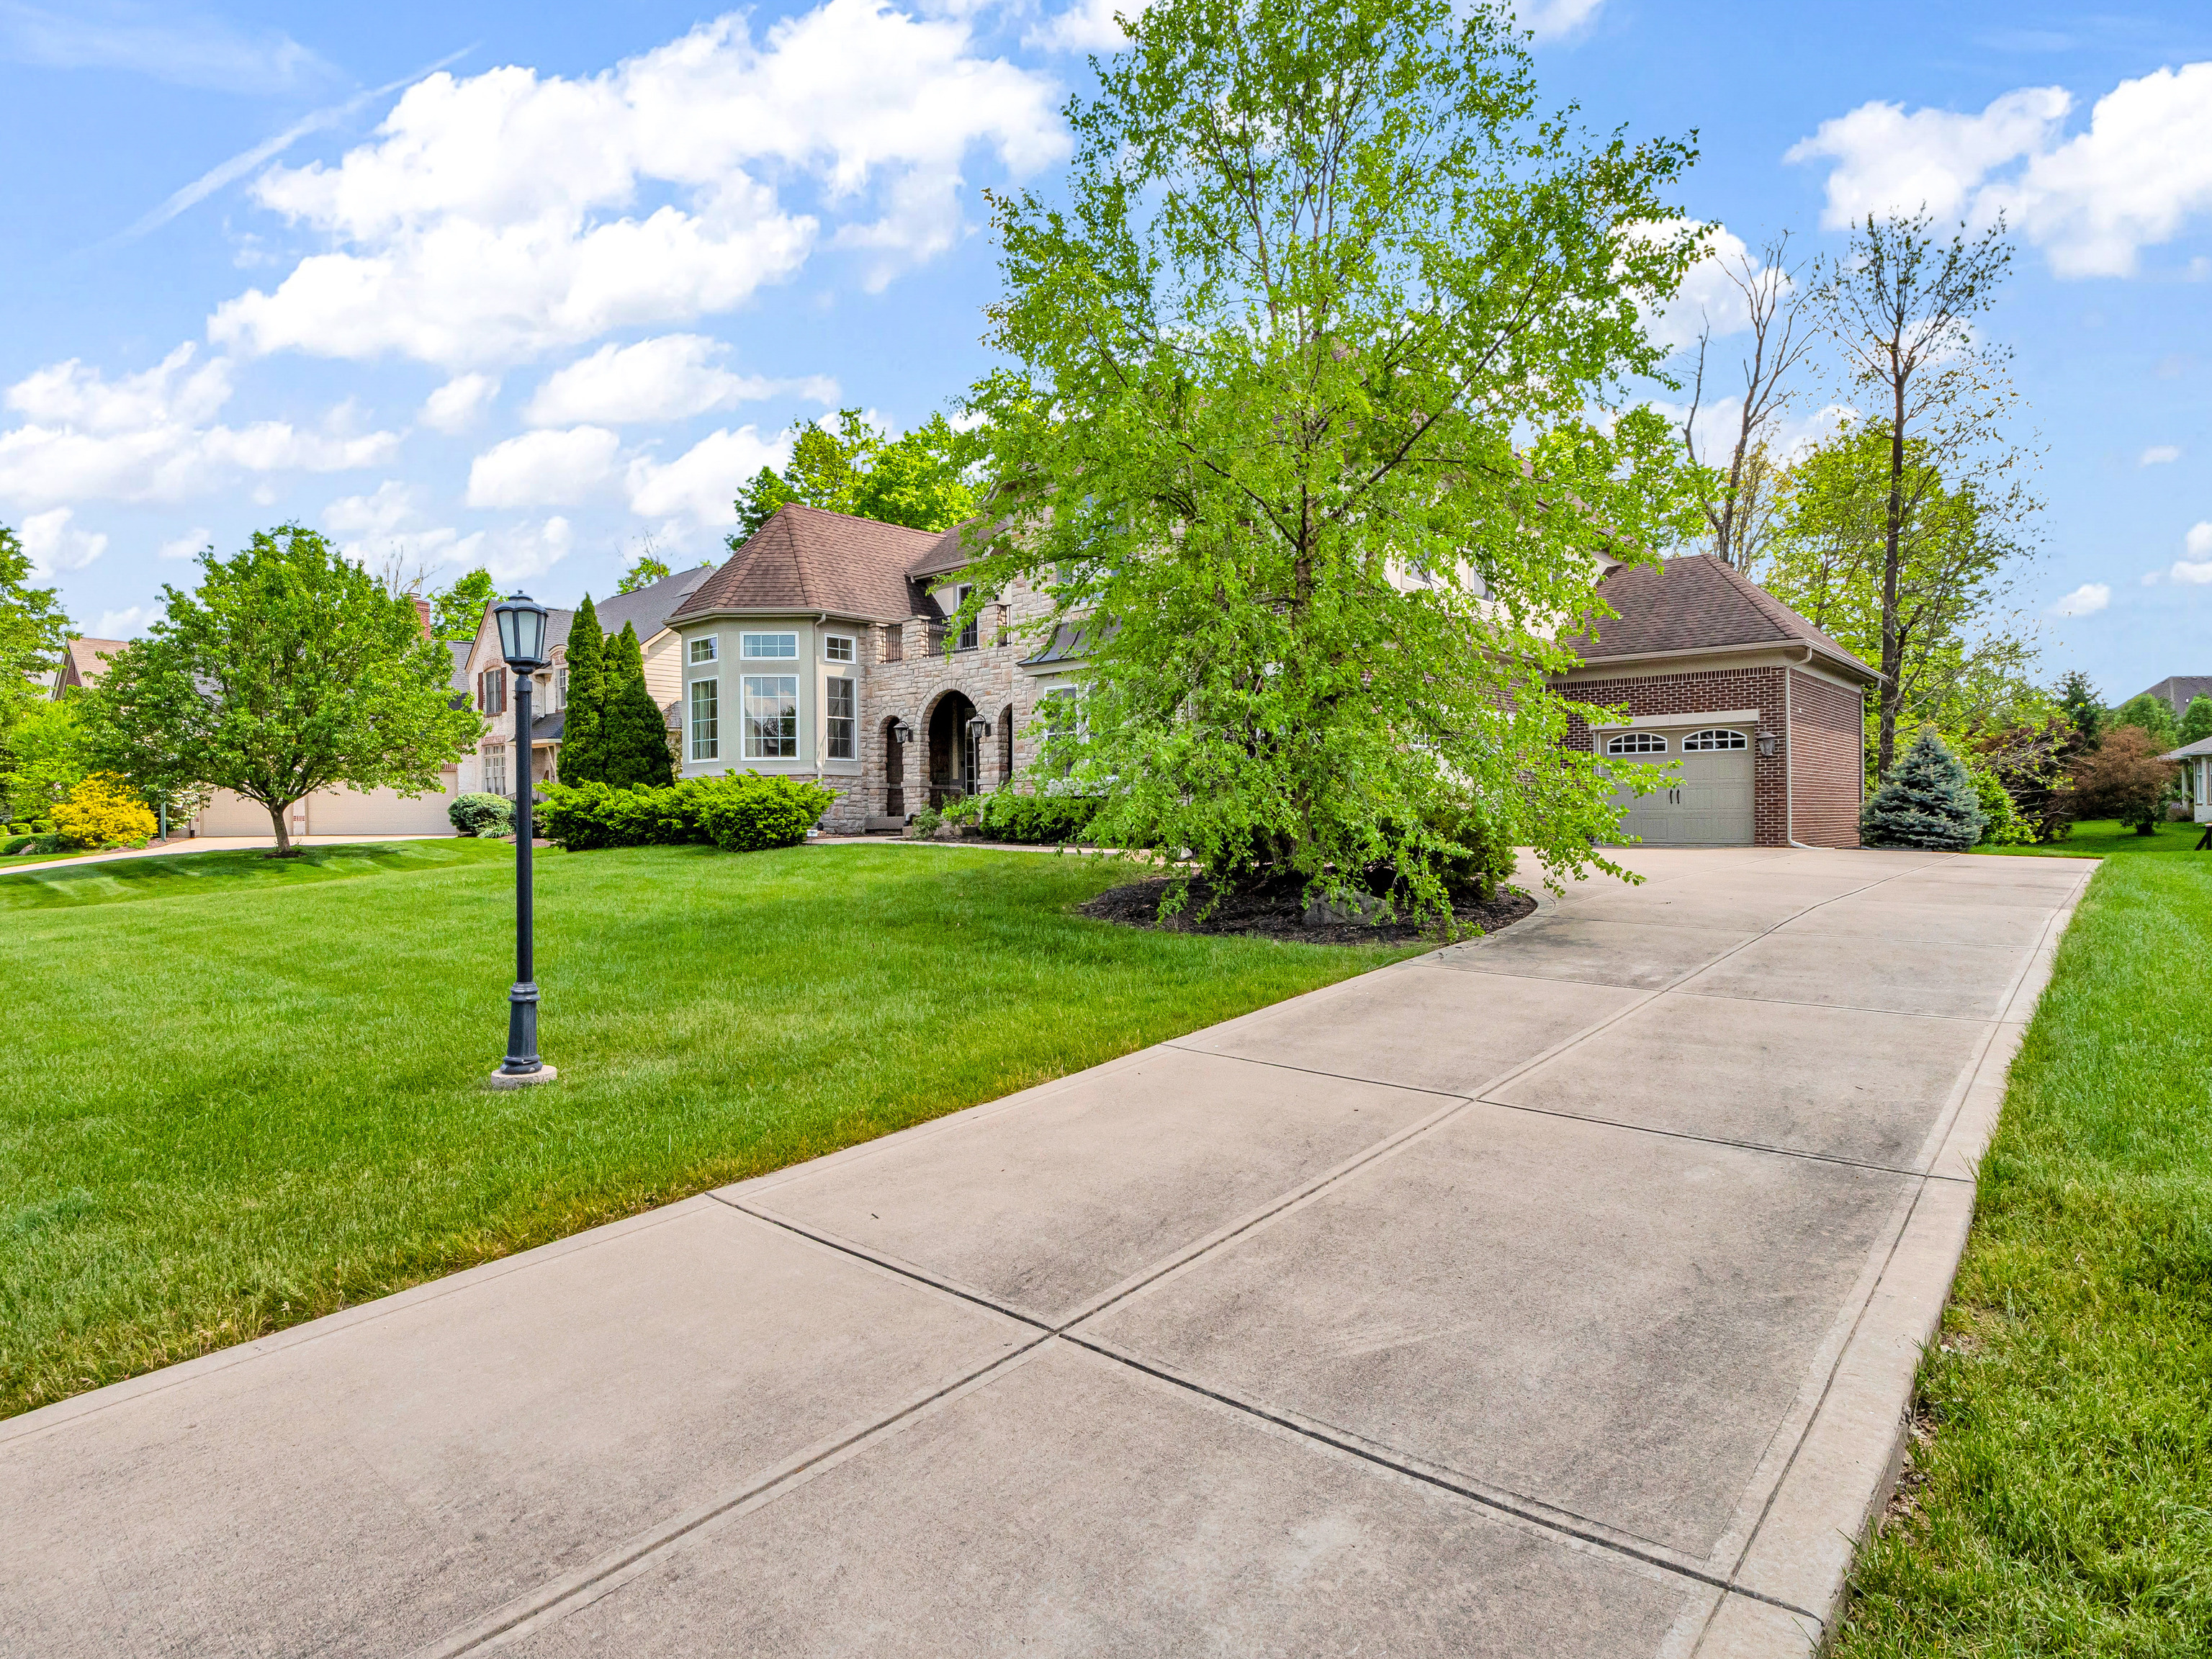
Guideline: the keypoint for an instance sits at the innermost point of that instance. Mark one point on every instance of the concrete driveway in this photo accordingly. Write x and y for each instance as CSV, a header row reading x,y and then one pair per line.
x,y
1558,1293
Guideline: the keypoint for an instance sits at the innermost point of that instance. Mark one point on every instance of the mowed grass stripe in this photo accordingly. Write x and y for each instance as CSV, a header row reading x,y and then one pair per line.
x,y
2067,1508
244,1094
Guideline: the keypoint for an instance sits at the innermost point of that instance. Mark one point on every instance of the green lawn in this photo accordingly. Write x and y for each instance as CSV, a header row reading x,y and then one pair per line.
x,y
2068,1503
239,1093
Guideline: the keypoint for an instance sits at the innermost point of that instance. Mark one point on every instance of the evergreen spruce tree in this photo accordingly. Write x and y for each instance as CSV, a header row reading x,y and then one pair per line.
x,y
583,748
1929,801
634,732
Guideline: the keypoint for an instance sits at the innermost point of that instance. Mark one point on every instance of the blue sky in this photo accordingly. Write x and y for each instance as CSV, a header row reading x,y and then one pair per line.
x,y
528,286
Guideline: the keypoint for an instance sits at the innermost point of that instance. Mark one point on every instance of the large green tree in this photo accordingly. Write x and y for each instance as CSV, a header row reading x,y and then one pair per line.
x,y
33,629
634,734
1309,414
2195,719
918,478
583,702
44,758
460,608
289,670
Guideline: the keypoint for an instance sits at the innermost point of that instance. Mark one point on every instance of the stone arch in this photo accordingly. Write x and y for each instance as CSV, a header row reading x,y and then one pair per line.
x,y
894,783
949,760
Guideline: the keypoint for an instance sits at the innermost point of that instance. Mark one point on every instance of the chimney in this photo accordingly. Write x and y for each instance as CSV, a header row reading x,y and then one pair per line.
x,y
422,615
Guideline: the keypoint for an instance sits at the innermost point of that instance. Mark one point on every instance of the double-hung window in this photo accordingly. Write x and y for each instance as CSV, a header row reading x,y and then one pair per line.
x,y
838,706
771,716
495,771
706,729
705,649
784,646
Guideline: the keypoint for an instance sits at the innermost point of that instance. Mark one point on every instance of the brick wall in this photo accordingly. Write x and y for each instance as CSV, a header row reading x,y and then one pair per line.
x,y
1699,693
1826,723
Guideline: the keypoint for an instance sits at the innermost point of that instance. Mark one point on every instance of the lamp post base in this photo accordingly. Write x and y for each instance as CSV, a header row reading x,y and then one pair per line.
x,y
520,1079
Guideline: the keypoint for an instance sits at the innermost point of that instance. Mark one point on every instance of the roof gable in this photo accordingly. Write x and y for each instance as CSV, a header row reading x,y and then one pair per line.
x,y
2178,691
805,558
1696,602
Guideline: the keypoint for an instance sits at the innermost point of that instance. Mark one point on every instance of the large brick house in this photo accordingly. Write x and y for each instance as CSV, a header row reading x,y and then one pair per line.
x,y
1763,714
819,649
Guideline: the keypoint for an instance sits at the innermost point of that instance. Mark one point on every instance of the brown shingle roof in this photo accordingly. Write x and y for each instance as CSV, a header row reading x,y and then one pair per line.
x,y
88,661
807,559
1696,603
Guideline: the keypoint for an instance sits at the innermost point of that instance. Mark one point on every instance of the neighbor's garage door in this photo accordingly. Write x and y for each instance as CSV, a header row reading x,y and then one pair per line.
x,y
1709,801
345,812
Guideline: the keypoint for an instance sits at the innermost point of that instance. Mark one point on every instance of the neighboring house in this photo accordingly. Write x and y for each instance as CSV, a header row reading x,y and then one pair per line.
x,y
482,674
346,810
819,649
2178,691
1764,714
83,662
2196,760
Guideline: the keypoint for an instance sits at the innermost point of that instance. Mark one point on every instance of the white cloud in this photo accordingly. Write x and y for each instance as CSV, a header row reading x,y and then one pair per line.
x,y
2134,179
544,469
496,216
142,438
1552,20
54,544
702,483
2159,455
456,406
1086,25
2150,578
2186,570
2197,544
2084,601
669,378
125,624
191,52
517,551
379,514
189,545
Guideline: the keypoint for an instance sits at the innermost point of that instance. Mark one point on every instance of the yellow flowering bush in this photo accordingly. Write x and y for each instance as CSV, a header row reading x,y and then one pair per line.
x,y
103,812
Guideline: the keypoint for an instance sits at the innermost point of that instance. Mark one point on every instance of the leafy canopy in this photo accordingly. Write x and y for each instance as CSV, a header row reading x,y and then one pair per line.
x,y
33,629
459,609
644,571
1306,417
919,479
2196,719
289,670
2152,715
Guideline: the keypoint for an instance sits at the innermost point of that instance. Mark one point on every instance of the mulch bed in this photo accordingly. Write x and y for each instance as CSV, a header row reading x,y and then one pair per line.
x,y
1282,916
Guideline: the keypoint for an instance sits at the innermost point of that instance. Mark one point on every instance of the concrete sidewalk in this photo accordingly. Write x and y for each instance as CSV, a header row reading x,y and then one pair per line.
x,y
1556,1293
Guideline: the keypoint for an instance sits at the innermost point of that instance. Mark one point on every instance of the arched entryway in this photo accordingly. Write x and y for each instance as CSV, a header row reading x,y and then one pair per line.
x,y
952,745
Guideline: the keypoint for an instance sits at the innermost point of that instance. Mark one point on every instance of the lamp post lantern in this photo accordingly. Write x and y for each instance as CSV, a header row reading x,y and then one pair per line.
x,y
522,642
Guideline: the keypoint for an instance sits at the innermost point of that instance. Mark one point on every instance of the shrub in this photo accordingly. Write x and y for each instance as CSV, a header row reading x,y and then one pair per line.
x,y
40,843
1036,820
2002,822
2125,780
483,815
1927,801
1479,858
924,823
103,810
745,814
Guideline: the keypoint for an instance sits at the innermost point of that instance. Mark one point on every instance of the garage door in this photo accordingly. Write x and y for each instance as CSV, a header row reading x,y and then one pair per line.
x,y
348,811
1709,801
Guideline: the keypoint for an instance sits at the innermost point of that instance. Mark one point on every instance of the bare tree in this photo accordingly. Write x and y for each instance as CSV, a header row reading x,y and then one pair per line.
x,y
1901,305
1738,498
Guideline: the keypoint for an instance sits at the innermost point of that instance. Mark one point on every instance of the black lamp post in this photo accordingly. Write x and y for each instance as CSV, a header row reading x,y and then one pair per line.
x,y
522,642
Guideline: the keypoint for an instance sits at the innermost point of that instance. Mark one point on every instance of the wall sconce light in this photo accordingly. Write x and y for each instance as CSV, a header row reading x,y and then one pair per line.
x,y
980,726
901,733
1768,743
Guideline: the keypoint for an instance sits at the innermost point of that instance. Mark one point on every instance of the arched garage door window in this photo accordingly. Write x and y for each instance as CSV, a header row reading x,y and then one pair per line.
x,y
1699,741
1637,743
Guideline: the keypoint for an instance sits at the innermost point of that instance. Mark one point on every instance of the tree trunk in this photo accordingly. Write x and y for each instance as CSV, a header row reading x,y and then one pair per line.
x,y
279,821
1892,649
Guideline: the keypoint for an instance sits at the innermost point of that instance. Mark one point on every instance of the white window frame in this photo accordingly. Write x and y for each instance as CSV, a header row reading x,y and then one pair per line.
x,y
756,746
751,647
830,653
713,652
1701,743
704,732
850,737
494,770
1636,743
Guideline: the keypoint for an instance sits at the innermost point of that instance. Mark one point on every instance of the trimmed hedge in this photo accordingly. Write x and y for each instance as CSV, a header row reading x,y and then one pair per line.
x,y
1042,820
739,814
483,815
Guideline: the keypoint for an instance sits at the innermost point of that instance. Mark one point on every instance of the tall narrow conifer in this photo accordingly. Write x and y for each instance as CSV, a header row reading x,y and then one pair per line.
x,y
632,732
583,753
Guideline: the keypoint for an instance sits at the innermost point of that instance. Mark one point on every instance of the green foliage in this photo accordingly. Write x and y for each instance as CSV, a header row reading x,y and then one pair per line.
x,y
289,671
1927,801
2078,699
2033,764
583,754
2151,716
2003,823
482,815
459,609
47,842
1331,319
1035,820
2195,720
633,740
33,629
924,823
644,571
43,757
919,478
2124,778
742,812
103,810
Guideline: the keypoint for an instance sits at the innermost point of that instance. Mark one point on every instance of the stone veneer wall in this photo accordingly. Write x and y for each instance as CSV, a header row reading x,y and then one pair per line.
x,y
1710,691
1826,730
